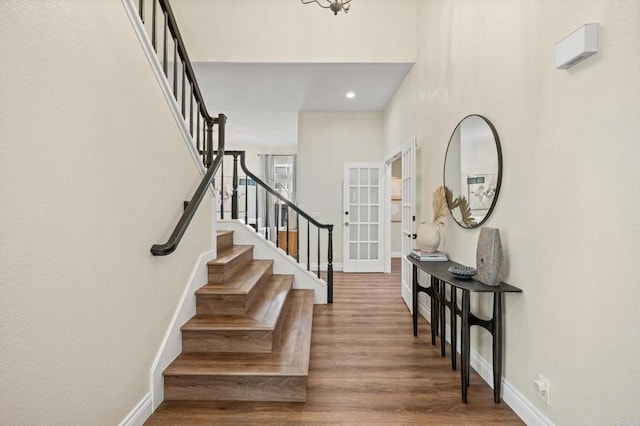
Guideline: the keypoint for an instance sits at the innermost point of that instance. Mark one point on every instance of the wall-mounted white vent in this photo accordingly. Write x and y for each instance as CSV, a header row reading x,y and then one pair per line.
x,y
577,46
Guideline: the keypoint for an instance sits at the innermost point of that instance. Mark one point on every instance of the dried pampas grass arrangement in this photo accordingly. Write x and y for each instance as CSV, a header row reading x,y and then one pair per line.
x,y
461,203
440,210
428,237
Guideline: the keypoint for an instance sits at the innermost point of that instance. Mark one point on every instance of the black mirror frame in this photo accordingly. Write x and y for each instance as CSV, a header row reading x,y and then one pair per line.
x,y
496,139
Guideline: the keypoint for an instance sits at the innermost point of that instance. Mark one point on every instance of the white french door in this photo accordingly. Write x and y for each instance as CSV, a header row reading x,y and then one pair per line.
x,y
408,218
363,232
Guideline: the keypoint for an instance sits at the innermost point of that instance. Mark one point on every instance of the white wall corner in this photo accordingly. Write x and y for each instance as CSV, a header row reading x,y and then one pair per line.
x,y
524,408
171,345
140,413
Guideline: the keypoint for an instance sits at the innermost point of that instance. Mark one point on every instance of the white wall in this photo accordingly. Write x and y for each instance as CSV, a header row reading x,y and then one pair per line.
x,y
327,141
252,155
93,172
567,209
288,31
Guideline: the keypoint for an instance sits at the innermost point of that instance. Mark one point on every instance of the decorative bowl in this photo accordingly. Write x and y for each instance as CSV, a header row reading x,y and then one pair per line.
x,y
463,272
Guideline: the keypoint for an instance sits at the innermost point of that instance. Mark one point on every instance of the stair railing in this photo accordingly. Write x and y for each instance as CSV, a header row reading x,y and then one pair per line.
x,y
167,42
284,237
172,54
190,210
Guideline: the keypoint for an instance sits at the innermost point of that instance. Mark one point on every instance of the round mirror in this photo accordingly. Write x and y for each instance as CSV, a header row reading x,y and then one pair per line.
x,y
473,171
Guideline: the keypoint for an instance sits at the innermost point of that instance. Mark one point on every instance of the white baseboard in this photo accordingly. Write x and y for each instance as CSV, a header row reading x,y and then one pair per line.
x,y
528,412
511,396
171,345
140,413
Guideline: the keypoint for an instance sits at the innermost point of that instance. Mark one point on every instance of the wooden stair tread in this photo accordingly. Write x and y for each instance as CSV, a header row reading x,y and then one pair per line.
x,y
224,240
263,315
242,282
290,357
230,254
230,261
250,339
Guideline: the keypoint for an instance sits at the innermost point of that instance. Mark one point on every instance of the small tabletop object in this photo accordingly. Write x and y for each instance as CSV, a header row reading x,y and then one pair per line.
x,y
462,272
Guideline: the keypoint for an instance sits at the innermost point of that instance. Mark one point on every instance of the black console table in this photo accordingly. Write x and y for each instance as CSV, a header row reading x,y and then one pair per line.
x,y
440,277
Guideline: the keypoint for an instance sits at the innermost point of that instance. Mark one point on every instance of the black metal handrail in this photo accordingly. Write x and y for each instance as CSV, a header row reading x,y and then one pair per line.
x,y
290,205
200,121
202,133
172,243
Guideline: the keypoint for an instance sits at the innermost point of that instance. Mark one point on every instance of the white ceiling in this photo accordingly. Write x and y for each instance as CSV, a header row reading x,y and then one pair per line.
x,y
262,101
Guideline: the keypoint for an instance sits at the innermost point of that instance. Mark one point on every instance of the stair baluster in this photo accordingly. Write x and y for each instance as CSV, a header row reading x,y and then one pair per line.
x,y
286,214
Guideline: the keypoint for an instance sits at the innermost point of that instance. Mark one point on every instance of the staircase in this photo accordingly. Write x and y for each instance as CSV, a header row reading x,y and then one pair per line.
x,y
250,339
158,32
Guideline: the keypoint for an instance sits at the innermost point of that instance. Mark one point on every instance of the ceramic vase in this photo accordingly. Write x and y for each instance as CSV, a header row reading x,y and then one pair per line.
x,y
489,256
428,238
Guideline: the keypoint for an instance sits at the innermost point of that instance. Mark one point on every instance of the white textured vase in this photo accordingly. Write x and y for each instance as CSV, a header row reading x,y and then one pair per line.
x,y
428,238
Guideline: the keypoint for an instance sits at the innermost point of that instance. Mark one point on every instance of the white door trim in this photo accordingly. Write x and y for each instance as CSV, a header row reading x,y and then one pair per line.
x,y
388,163
410,148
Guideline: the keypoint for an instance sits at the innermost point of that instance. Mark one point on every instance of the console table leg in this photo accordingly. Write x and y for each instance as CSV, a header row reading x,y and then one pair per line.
x,y
434,316
497,346
466,343
442,299
415,299
454,328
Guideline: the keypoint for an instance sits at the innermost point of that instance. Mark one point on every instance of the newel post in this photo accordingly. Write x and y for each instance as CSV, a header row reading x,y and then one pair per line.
x,y
330,267
234,194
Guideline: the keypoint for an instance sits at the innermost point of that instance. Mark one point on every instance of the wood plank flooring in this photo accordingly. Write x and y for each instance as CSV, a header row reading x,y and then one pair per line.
x,y
366,368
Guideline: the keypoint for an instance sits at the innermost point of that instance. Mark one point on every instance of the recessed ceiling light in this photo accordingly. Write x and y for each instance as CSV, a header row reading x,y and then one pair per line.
x,y
351,95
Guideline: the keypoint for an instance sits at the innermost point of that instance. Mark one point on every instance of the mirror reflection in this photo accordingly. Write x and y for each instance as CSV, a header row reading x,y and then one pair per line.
x,y
472,171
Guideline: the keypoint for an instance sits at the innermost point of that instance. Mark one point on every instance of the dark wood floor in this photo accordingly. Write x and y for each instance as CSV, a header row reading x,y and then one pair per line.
x,y
367,369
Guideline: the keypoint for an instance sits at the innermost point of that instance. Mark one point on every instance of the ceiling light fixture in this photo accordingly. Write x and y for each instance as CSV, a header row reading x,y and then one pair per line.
x,y
351,95
335,6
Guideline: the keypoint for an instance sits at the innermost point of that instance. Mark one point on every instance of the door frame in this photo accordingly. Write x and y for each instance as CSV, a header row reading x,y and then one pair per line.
x,y
388,162
389,159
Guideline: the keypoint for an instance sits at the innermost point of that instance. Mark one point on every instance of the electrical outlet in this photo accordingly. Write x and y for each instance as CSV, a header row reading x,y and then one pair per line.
x,y
543,388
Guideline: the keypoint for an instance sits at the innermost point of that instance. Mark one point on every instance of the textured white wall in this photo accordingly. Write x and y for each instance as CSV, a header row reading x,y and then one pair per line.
x,y
288,31
327,141
567,211
252,156
93,172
